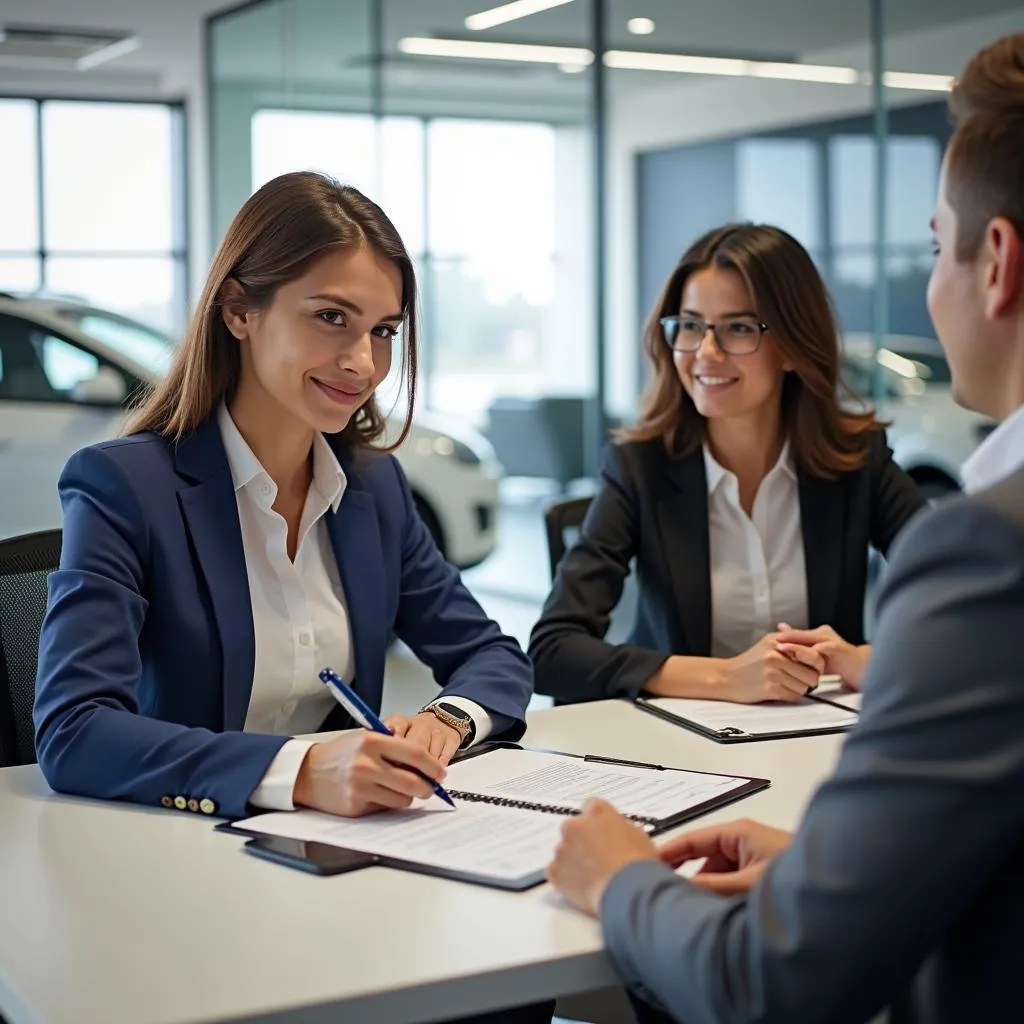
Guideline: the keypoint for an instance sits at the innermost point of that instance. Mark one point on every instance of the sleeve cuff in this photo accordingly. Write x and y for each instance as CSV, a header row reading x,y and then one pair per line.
x,y
481,719
274,793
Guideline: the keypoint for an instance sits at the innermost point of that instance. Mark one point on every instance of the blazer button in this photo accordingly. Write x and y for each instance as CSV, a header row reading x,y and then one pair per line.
x,y
207,806
167,801
180,802
193,805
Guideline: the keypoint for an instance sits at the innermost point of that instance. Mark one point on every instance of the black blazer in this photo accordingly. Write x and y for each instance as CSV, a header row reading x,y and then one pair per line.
x,y
654,508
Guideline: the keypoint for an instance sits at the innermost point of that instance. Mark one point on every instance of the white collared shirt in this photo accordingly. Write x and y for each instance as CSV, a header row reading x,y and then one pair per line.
x,y
299,610
758,573
999,455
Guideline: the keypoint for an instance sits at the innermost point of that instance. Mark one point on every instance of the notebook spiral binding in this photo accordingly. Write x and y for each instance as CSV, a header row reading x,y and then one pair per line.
x,y
527,805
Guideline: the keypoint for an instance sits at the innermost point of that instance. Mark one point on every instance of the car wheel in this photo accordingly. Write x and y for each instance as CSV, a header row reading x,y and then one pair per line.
x,y
429,517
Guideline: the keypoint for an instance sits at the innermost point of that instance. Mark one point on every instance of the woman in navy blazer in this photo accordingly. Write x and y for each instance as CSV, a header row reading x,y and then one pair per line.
x,y
158,615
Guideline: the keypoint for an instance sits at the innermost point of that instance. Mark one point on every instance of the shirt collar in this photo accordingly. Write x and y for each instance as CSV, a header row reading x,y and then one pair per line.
x,y
997,456
716,472
328,477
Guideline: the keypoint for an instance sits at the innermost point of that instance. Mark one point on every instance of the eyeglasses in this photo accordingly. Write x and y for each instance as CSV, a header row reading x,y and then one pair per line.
x,y
734,337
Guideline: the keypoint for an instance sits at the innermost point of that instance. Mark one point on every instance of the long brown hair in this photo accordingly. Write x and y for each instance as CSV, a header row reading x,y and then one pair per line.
x,y
281,230
791,298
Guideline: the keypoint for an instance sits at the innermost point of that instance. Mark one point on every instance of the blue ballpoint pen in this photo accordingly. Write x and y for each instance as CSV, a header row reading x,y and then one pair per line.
x,y
358,709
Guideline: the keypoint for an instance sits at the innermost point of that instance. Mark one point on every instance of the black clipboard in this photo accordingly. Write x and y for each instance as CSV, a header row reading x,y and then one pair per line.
x,y
529,881
731,734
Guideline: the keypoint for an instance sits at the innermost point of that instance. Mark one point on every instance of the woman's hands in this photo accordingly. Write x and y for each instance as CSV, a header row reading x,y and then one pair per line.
x,y
765,673
824,647
439,740
361,772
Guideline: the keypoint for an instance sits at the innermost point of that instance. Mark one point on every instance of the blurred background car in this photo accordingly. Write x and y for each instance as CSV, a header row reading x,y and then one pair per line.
x,y
69,370
930,435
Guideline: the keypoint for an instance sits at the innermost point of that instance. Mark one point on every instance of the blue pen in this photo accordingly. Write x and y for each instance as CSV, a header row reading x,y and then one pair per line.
x,y
356,707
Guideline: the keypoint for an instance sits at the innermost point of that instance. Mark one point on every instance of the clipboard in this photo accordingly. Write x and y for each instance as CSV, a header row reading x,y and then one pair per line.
x,y
674,710
744,786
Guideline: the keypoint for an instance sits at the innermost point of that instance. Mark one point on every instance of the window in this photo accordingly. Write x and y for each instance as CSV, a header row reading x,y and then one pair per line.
x,y
91,205
475,203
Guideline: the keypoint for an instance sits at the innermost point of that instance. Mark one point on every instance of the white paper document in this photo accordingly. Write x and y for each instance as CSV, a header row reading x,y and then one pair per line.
x,y
493,839
499,842
552,780
758,719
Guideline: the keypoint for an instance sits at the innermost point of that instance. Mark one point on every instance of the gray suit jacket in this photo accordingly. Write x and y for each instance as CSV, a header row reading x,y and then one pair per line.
x,y
904,885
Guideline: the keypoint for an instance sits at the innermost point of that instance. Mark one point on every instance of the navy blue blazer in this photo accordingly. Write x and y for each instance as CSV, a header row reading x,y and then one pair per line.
x,y
147,649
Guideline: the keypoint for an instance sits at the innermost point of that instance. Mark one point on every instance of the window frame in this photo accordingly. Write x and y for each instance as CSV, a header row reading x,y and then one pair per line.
x,y
180,252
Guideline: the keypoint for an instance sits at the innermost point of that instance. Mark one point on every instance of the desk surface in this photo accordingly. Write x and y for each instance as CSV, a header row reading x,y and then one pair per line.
x,y
114,914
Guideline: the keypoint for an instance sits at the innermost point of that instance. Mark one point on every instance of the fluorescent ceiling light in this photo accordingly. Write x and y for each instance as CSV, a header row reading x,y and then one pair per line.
x,y
510,12
804,72
629,60
641,26
425,47
97,57
913,80
680,63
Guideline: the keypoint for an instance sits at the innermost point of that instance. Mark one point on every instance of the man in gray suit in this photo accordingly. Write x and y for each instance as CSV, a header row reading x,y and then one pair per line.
x,y
904,885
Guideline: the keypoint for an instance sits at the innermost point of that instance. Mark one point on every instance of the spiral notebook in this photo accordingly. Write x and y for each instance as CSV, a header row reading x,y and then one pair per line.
x,y
510,805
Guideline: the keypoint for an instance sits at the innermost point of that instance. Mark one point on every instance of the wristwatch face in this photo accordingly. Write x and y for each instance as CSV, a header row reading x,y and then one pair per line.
x,y
454,711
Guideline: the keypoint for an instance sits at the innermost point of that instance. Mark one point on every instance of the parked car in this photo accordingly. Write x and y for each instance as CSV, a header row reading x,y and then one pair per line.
x,y
67,371
930,434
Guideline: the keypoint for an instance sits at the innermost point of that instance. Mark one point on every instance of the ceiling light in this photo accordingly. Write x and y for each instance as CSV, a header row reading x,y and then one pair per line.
x,y
572,69
62,48
571,59
425,47
804,72
510,12
913,80
640,26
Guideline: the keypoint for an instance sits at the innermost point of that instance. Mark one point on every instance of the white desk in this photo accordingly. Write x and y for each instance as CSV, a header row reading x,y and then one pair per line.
x,y
112,914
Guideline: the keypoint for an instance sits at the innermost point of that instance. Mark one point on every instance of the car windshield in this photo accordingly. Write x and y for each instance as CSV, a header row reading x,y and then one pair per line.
x,y
144,345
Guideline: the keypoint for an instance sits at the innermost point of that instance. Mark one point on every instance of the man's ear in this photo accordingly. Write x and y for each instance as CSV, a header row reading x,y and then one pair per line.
x,y
1004,265
233,308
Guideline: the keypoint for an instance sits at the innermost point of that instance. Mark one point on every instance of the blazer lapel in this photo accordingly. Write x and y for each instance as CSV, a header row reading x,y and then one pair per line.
x,y
823,524
211,516
683,522
355,537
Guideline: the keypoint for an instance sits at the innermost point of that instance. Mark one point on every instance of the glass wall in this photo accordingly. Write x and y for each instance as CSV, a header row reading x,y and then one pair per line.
x,y
92,205
474,125
484,166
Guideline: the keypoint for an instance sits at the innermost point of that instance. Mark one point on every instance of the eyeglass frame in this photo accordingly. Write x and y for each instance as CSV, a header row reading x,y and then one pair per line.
x,y
761,327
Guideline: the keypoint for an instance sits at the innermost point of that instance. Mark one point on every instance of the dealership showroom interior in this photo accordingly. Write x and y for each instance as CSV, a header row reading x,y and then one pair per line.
x,y
546,163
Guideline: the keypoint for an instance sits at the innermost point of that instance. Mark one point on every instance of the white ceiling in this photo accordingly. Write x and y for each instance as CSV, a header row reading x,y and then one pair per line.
x,y
327,41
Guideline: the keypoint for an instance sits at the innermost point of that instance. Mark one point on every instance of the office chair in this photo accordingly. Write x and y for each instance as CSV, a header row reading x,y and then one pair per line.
x,y
559,520
25,563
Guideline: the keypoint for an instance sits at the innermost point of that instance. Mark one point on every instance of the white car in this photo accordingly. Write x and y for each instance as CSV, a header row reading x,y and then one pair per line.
x,y
930,434
67,370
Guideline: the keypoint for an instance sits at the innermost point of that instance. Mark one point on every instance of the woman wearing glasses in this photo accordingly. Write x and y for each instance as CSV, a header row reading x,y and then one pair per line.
x,y
747,495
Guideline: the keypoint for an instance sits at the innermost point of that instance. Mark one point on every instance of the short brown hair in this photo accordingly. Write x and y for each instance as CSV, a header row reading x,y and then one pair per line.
x,y
985,160
280,231
791,298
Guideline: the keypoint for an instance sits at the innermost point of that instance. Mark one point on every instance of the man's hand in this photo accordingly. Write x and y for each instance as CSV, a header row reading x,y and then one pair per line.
x,y
595,846
737,854
428,731
826,650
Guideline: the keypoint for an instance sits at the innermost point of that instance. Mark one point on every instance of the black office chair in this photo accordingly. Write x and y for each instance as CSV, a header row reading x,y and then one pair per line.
x,y
25,563
561,521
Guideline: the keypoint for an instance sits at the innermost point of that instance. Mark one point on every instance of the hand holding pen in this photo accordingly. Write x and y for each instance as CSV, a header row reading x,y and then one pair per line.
x,y
364,771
